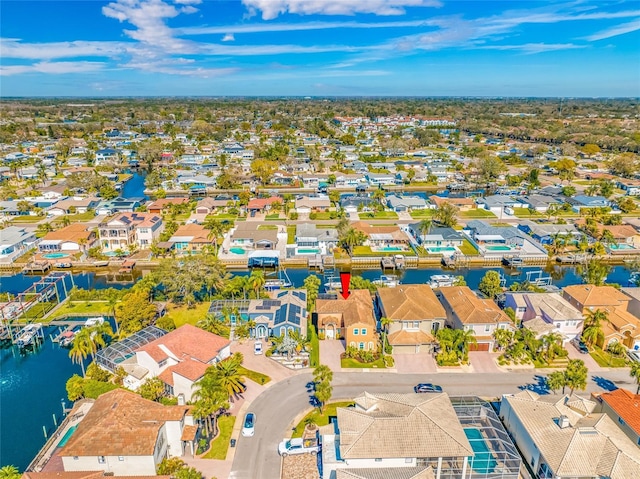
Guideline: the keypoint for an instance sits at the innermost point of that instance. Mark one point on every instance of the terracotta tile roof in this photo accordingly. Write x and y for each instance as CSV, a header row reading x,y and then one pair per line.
x,y
189,433
394,231
621,232
411,302
186,342
357,308
121,423
64,475
259,203
404,337
439,200
626,405
589,295
470,309
164,202
189,369
74,232
198,233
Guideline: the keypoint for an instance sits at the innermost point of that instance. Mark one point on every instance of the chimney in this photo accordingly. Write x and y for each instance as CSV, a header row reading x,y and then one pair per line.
x,y
563,422
345,279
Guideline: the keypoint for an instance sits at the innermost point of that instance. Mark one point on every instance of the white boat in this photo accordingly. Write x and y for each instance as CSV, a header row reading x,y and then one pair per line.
x,y
634,279
89,323
273,284
441,280
28,334
333,284
387,280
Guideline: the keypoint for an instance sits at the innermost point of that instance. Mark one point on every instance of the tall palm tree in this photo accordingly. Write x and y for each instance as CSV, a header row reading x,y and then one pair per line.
x,y
424,227
592,332
462,339
635,373
216,230
550,341
607,237
79,351
230,379
257,281
384,325
210,399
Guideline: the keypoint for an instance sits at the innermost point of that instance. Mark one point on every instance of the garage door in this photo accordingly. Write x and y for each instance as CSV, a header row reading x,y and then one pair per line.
x,y
479,347
404,349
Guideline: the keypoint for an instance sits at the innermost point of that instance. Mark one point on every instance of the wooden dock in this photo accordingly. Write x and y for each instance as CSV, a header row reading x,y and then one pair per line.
x,y
37,267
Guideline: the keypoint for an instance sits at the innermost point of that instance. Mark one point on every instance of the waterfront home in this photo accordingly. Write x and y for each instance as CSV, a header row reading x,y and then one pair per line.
x,y
248,236
546,312
117,205
284,312
351,180
381,179
621,405
262,205
416,316
437,237
351,319
73,238
15,241
625,236
545,233
129,230
73,206
630,187
314,180
162,205
622,326
190,238
564,437
106,155
307,204
396,436
633,306
196,182
310,239
463,204
126,435
501,240
355,203
580,202
404,203
383,238
467,311
498,204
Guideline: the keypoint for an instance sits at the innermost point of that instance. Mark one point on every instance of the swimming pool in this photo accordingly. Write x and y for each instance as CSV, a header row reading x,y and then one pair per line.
x,y
390,248
441,249
618,247
308,251
483,461
67,435
497,248
55,255
237,250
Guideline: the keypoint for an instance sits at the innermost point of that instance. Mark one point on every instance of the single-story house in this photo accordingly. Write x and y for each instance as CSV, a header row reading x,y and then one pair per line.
x,y
463,204
313,240
263,204
544,233
381,236
631,187
73,205
247,235
161,205
406,203
355,203
75,237
581,202
14,241
190,237
437,236
307,204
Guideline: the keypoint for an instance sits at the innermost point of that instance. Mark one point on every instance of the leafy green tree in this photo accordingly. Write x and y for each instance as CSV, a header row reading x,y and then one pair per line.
x,y
459,281
97,373
556,381
75,388
135,312
590,149
568,191
635,373
503,338
490,284
166,322
446,215
169,466
322,373
576,375
626,204
352,238
188,473
229,377
425,226
595,272
152,389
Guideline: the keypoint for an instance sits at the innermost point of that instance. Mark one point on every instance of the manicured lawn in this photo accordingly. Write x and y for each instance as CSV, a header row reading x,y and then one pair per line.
x,y
268,227
220,444
379,215
223,216
354,363
255,376
314,354
525,213
83,307
89,215
26,219
477,213
291,234
366,251
605,360
467,248
318,418
323,215
182,315
428,213
273,217
333,226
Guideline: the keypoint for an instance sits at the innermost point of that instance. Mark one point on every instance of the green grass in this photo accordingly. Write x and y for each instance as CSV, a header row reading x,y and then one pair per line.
x,y
379,215
82,307
330,226
182,315
220,444
291,234
323,215
477,213
354,363
605,360
366,251
255,376
525,213
467,248
318,418
26,219
428,213
223,216
89,215
314,354
273,217
268,227
36,312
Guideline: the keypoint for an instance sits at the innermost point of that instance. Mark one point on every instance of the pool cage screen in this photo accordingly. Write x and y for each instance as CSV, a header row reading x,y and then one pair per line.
x,y
111,357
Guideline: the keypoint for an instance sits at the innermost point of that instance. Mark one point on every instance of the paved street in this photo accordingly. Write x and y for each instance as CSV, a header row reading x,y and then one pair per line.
x,y
279,406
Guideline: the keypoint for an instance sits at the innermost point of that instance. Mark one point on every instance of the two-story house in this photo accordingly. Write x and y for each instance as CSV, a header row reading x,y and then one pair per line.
x,y
285,311
622,405
546,312
467,311
129,230
416,316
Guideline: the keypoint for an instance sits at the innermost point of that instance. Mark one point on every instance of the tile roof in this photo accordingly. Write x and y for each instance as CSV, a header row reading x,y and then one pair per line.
x,y
401,425
404,337
121,423
189,433
393,231
589,295
626,405
591,446
80,475
470,309
552,305
193,232
357,308
259,203
74,232
186,342
411,302
420,472
189,369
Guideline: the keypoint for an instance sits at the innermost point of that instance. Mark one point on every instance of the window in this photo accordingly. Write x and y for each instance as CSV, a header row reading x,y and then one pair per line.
x,y
407,460
361,347
120,458
558,325
378,459
356,331
621,421
101,460
364,331
162,363
75,458
487,328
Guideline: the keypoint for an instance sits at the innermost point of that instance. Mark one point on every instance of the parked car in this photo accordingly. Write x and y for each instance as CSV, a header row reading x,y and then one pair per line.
x,y
257,347
634,356
580,346
296,446
248,428
427,388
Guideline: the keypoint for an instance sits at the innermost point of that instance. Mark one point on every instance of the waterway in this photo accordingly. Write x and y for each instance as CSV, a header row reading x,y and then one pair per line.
x,y
32,385
134,188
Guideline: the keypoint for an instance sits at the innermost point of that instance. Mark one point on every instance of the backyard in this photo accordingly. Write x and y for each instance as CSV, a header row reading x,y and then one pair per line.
x,y
71,308
181,314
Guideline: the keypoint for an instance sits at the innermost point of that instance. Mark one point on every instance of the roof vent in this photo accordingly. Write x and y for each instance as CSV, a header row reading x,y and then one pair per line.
x,y
563,422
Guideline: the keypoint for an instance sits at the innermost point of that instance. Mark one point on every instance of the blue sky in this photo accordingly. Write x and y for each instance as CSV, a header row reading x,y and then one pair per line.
x,y
319,48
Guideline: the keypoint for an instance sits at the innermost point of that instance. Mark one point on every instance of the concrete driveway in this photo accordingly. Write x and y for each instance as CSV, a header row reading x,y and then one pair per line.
x,y
415,363
330,351
589,362
259,362
484,362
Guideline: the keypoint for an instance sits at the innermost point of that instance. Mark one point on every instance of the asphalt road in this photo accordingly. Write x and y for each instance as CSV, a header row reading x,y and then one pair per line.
x,y
257,457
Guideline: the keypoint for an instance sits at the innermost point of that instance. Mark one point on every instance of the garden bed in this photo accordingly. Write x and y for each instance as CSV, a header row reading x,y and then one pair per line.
x,y
220,444
318,418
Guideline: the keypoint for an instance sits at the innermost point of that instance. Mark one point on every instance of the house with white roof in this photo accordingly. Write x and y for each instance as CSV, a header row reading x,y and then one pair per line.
x,y
14,241
401,203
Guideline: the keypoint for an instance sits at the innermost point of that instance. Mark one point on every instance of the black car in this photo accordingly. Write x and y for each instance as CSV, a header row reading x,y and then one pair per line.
x,y
580,346
427,388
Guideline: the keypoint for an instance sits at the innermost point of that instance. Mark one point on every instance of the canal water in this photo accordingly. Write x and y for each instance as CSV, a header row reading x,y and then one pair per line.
x,y
134,188
33,384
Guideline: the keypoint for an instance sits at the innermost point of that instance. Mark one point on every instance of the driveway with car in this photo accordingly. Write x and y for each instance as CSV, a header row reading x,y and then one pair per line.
x,y
589,362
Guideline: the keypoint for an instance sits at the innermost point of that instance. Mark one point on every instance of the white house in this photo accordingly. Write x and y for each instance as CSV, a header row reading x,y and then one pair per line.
x,y
14,241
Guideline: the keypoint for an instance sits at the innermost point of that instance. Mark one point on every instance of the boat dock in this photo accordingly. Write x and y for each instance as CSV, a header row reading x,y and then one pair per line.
x,y
37,267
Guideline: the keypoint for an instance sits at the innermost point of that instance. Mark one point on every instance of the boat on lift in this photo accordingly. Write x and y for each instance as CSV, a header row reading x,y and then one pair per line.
x,y
387,281
441,281
332,284
28,334
282,281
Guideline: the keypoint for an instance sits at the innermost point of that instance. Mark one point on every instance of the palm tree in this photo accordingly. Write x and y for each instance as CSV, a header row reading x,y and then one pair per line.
x,y
607,237
550,341
216,229
384,325
79,351
230,379
635,373
503,337
9,472
257,281
424,227
593,326
462,339
210,399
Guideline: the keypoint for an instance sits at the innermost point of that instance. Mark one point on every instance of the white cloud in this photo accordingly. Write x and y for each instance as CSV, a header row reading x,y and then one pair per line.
x,y
615,31
56,68
532,48
228,37
273,8
14,48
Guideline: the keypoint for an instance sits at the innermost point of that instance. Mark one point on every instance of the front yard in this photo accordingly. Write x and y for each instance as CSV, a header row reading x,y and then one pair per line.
x,y
318,418
606,360
526,213
255,376
426,213
220,444
477,213
354,363
379,215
